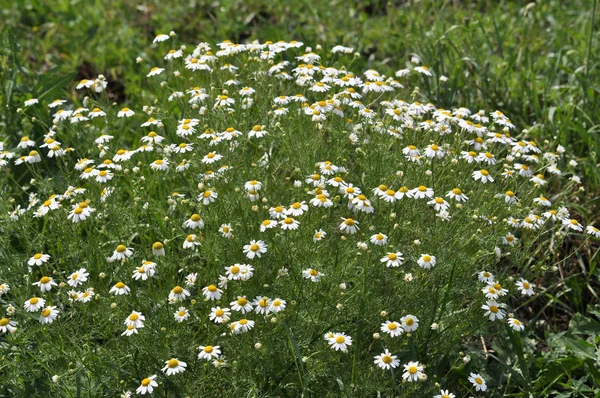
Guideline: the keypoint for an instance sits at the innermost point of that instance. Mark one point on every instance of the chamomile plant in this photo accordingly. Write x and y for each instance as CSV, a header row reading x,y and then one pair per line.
x,y
269,218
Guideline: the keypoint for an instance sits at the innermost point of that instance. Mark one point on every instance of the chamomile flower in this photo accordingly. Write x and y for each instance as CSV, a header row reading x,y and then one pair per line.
x,y
277,305
477,381
483,176
211,292
412,371
121,253
393,259
78,277
349,226
591,230
572,224
125,112
194,222
209,352
445,394
410,323
319,235
515,324
34,304
226,230
255,249
524,287
296,209
158,249
420,192
394,329
509,239
312,274
493,310
289,223
135,319
386,360
7,325
119,289
38,259
486,277
208,197
241,305
191,241
181,314
178,294
220,315
45,283
241,326
379,239
147,385
340,342
48,315
439,204
457,195
174,366
426,261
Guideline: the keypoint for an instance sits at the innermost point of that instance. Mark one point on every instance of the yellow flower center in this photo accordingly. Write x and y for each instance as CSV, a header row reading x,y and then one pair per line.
x,y
33,300
340,339
392,326
121,248
427,258
120,285
195,217
484,172
4,321
386,359
212,288
157,246
219,312
409,322
134,317
46,313
146,381
412,370
254,247
177,290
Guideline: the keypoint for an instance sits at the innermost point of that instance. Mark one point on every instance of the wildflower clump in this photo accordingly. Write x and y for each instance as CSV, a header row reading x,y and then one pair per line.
x,y
268,216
